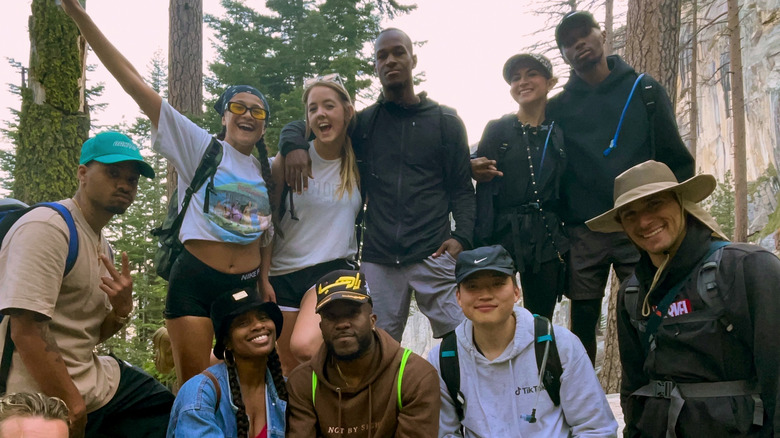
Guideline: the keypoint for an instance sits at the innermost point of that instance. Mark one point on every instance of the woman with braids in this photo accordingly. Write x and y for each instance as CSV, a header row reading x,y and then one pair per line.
x,y
316,229
219,254
244,396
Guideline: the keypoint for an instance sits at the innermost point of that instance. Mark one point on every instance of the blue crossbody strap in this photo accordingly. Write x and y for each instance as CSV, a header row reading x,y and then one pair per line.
x,y
613,143
73,238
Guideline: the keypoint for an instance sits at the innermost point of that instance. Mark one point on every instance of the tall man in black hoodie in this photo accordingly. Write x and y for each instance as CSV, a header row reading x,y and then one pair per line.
x,y
414,171
599,148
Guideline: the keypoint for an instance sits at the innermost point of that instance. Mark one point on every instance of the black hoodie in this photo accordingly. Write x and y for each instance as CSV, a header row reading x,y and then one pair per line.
x,y
589,117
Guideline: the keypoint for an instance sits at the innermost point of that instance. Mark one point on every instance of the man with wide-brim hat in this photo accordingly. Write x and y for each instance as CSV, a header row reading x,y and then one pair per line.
x,y
697,321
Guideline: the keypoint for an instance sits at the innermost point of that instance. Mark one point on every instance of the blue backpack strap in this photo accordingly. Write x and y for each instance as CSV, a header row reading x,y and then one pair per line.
x,y
614,142
73,235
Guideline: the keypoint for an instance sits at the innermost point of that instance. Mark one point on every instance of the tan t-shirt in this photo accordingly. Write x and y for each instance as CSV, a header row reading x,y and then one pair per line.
x,y
32,261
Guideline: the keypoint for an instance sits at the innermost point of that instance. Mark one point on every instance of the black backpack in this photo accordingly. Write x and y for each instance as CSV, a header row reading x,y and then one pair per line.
x,y
543,332
169,246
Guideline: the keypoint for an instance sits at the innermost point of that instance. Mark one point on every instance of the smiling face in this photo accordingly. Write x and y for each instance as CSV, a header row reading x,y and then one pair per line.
x,y
347,328
251,335
529,85
327,114
242,131
394,59
488,298
109,187
656,224
582,47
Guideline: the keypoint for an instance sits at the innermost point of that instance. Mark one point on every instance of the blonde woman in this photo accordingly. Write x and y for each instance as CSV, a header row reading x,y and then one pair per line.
x,y
317,227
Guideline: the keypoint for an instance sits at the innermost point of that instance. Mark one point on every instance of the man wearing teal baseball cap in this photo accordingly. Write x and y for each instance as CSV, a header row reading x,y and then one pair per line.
x,y
62,296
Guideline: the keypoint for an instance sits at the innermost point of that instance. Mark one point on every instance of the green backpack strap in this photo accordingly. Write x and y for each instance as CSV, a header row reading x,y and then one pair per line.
x,y
313,388
407,353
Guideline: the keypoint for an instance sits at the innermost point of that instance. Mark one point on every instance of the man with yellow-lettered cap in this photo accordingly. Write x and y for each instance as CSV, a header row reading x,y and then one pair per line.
x,y
361,382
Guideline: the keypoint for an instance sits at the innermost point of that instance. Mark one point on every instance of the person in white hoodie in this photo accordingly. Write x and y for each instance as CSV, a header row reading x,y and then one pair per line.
x,y
499,377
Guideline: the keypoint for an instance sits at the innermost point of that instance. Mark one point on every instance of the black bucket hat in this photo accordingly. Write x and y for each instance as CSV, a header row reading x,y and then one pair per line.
x,y
235,303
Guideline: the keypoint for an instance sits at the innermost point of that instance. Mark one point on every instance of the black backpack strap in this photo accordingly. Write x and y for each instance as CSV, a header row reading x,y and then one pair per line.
x,y
649,94
5,362
450,370
544,333
214,380
205,171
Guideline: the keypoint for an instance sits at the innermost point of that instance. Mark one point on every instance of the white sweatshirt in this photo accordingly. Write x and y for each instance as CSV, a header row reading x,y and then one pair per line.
x,y
498,393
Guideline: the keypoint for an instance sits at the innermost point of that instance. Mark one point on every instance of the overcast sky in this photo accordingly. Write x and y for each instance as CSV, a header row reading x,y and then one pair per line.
x,y
467,44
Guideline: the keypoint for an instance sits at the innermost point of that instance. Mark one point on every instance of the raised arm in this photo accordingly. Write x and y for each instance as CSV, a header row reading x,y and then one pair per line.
x,y
127,76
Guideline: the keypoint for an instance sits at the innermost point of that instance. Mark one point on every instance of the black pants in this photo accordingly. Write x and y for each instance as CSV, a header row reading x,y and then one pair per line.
x,y
139,409
540,289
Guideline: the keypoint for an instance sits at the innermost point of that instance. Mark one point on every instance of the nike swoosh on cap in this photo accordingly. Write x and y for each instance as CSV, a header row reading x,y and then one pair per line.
x,y
480,260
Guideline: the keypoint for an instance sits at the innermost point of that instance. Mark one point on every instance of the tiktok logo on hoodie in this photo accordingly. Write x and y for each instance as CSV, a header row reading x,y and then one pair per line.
x,y
528,389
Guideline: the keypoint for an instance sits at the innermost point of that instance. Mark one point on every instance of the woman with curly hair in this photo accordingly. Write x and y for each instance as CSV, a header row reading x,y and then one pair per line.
x,y
219,254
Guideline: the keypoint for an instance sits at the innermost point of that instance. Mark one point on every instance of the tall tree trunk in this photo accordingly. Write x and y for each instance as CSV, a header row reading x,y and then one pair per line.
x,y
611,370
54,120
609,21
738,110
694,112
652,42
185,62
653,39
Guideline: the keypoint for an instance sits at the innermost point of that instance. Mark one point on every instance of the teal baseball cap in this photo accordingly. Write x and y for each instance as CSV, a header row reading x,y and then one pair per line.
x,y
112,147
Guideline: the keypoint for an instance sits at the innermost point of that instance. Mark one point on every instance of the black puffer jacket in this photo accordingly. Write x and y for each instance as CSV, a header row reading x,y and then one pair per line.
x,y
696,347
589,117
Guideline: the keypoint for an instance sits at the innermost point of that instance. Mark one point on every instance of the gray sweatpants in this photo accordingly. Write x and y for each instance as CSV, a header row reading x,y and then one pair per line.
x,y
433,283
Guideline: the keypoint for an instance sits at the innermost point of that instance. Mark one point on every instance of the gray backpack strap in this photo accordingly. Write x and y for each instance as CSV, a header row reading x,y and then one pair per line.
x,y
707,287
631,299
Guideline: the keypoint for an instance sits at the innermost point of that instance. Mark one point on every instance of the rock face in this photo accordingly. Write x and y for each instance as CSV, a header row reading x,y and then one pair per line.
x,y
760,21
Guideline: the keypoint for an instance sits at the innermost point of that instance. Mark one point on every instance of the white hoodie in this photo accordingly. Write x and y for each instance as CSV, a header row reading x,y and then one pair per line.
x,y
498,393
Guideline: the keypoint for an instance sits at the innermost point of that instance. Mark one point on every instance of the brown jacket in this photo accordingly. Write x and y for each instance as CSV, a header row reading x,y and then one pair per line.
x,y
371,409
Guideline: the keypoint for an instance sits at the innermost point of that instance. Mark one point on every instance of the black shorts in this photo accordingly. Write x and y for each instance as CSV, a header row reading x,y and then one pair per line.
x,y
290,288
194,285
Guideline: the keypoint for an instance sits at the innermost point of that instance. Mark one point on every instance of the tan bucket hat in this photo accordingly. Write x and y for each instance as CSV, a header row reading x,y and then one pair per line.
x,y
653,177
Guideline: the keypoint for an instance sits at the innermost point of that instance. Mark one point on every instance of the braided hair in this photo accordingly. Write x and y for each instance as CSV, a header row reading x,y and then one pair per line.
x,y
242,420
275,367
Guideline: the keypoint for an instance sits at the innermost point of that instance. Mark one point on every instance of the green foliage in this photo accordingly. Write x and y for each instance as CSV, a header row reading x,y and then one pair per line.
x,y
298,40
53,121
721,204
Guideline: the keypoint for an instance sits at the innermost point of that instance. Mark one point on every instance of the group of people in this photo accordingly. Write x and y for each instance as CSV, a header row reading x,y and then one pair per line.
x,y
292,326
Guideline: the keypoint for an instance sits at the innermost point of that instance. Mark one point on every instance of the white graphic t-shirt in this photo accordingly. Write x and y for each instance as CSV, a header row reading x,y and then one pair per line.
x,y
238,208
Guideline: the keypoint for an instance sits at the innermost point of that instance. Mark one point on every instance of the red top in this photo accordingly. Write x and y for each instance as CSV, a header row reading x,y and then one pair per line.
x,y
263,433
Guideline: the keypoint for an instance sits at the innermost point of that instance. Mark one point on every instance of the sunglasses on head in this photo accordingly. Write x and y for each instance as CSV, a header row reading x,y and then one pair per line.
x,y
239,108
331,77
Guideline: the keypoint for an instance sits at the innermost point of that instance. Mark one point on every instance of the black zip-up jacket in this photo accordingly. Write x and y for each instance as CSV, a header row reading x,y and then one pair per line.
x,y
507,214
589,117
697,347
415,171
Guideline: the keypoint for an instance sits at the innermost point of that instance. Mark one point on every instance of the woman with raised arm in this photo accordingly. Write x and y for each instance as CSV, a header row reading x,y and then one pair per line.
x,y
244,396
519,209
220,253
317,228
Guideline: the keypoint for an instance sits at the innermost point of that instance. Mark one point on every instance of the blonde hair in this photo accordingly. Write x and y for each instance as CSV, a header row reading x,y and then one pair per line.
x,y
348,173
32,404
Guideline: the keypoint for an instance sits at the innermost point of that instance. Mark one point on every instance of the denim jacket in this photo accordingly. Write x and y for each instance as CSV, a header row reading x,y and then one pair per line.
x,y
193,413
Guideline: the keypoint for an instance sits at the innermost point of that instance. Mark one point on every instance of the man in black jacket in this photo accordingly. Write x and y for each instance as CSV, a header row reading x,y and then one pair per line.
x,y
414,171
697,323
607,129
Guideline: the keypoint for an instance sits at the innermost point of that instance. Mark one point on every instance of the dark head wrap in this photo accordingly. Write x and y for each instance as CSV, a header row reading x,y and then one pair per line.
x,y
222,102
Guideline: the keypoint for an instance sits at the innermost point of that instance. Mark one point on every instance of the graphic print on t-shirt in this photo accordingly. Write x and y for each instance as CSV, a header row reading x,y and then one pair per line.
x,y
239,210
